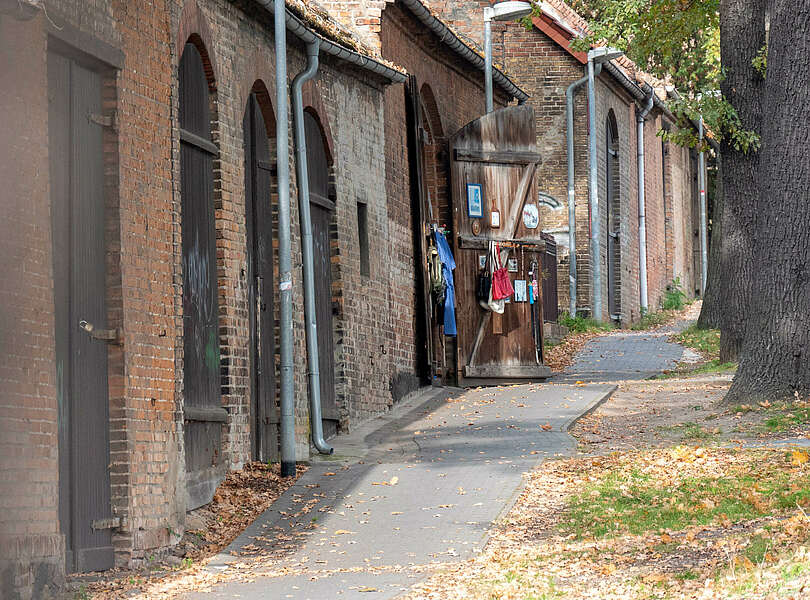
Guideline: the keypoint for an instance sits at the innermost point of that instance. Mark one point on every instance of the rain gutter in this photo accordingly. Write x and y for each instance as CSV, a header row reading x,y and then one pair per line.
x,y
300,30
451,40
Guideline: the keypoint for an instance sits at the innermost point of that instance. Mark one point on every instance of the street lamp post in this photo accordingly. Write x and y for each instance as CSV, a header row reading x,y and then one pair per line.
x,y
502,11
596,56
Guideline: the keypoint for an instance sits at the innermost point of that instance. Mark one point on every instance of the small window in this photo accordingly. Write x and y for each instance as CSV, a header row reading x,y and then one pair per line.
x,y
362,233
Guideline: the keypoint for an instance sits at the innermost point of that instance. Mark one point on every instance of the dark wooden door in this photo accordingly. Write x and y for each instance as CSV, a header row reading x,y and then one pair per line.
x,y
77,201
613,222
259,221
321,208
423,333
202,409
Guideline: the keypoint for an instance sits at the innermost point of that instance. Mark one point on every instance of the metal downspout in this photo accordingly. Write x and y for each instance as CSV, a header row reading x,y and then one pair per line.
x,y
593,191
572,215
642,219
284,249
488,60
704,226
302,178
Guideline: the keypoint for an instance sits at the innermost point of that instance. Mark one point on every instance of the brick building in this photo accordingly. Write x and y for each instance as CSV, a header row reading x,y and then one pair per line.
x,y
139,315
542,63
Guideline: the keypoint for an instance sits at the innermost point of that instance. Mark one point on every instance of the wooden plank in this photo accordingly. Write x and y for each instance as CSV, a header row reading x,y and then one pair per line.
x,y
205,414
508,371
59,164
526,180
479,336
471,242
505,157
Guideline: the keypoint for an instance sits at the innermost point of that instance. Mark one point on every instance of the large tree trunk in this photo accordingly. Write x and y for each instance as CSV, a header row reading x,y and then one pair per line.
x,y
711,312
774,363
742,34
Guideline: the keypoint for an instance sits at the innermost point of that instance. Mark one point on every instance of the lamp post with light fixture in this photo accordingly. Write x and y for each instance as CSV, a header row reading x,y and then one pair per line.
x,y
502,11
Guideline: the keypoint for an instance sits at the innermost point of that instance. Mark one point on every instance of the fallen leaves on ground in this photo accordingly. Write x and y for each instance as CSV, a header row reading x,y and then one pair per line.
x,y
535,552
237,502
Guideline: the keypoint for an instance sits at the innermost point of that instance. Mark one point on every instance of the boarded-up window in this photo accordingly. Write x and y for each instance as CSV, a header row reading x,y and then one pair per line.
x,y
203,412
362,235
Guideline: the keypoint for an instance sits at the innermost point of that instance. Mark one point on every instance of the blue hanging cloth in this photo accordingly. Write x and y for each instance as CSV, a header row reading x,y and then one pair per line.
x,y
448,264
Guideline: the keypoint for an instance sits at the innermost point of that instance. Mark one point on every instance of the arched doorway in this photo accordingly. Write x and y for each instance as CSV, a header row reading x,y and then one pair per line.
x,y
614,262
259,277
202,409
322,207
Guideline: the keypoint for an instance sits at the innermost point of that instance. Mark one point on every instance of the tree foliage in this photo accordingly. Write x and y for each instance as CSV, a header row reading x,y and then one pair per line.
x,y
678,42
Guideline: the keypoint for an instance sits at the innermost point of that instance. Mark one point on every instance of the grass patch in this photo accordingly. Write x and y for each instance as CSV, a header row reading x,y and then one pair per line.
x,y
677,493
713,367
757,548
583,324
794,417
694,432
687,575
706,341
652,320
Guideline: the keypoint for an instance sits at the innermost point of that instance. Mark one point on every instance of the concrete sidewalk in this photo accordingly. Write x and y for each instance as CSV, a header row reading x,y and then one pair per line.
x,y
411,489
623,356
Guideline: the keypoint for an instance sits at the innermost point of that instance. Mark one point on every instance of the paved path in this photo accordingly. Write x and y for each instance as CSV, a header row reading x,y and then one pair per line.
x,y
416,487
624,355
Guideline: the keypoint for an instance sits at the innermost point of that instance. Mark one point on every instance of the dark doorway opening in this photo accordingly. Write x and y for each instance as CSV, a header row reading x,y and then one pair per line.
x,y
322,208
614,259
259,222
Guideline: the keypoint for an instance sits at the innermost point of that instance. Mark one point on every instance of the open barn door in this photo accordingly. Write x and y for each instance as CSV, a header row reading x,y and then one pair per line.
x,y
494,161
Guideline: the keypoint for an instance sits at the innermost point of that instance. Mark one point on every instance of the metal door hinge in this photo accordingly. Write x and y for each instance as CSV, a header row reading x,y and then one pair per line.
x,y
103,120
109,523
105,335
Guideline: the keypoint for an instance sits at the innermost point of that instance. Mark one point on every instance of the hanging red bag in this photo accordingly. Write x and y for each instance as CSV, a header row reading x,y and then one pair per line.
x,y
501,284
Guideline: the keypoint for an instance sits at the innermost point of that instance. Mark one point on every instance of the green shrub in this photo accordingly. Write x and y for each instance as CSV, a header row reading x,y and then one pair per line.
x,y
580,324
674,296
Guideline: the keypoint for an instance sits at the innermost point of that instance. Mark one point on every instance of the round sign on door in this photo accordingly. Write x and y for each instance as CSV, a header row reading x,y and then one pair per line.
x,y
531,216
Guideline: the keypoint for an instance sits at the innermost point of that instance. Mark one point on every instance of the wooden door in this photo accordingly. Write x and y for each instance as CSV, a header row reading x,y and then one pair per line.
x,y
321,209
613,221
77,201
423,333
202,409
259,221
497,155
697,263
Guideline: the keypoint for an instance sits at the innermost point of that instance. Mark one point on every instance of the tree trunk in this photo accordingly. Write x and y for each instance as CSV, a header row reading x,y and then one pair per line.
x,y
711,312
777,343
742,34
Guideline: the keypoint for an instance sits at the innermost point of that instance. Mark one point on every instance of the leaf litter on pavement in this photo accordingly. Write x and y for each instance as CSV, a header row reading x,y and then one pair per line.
x,y
673,495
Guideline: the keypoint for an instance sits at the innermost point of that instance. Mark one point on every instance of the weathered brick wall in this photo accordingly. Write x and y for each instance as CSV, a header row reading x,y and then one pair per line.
x,y
545,70
354,108
658,274
30,544
144,264
680,192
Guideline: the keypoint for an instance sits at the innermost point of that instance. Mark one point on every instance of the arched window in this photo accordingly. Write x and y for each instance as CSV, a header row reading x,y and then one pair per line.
x,y
203,412
613,217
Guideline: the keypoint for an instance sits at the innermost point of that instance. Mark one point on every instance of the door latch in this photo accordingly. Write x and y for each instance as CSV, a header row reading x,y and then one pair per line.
x,y
105,335
110,523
